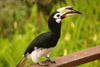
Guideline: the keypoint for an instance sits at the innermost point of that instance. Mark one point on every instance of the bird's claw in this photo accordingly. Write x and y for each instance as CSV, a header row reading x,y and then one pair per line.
x,y
43,64
52,61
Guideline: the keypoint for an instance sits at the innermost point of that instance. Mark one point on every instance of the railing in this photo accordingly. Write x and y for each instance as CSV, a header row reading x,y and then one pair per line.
x,y
74,59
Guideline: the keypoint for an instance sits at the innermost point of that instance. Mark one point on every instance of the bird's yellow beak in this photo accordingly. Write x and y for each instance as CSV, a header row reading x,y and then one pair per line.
x,y
68,11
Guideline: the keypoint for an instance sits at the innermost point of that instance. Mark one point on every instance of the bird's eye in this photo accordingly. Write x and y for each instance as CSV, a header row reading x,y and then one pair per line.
x,y
58,15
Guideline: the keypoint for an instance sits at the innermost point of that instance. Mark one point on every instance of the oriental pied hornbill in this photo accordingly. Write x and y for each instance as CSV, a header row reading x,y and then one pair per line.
x,y
44,43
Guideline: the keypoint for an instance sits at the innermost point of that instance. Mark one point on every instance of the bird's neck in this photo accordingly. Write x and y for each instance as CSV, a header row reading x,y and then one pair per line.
x,y
56,30
54,27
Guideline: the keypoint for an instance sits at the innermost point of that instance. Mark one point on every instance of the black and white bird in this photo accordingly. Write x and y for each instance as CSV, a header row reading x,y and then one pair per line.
x,y
43,44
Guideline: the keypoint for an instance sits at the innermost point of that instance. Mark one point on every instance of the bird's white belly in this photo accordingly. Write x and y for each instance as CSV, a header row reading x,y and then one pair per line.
x,y
37,53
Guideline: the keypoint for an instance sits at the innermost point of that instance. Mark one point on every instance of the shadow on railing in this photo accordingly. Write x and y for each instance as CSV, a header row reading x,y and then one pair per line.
x,y
74,59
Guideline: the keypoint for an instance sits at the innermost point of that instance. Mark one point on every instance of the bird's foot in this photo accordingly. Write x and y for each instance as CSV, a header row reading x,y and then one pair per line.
x,y
49,59
52,61
42,64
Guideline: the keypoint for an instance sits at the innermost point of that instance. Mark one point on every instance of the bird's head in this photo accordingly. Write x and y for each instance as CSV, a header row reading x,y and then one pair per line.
x,y
60,14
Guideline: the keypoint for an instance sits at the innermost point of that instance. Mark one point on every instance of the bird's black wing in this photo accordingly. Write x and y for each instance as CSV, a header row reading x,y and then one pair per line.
x,y
39,42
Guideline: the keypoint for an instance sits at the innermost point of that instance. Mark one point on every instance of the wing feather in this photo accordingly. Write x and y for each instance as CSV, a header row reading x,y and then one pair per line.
x,y
39,42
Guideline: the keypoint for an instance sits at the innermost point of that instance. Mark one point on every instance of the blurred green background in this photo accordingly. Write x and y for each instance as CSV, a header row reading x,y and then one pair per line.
x,y
22,20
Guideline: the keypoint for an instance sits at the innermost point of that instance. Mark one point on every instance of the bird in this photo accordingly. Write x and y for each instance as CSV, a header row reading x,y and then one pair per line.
x,y
43,44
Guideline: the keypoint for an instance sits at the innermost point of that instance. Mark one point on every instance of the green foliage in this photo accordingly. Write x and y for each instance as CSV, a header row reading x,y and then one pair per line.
x,y
78,33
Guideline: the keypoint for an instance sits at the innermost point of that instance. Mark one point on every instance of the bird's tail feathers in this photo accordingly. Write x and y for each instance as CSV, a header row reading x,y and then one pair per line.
x,y
22,62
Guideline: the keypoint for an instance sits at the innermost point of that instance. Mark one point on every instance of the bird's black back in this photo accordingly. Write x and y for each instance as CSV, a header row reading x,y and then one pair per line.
x,y
45,40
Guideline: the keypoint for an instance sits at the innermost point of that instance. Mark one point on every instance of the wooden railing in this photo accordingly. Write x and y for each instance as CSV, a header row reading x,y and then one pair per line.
x,y
74,59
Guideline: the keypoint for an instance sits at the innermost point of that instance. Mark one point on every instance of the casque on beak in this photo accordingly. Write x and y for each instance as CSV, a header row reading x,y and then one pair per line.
x,y
68,11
